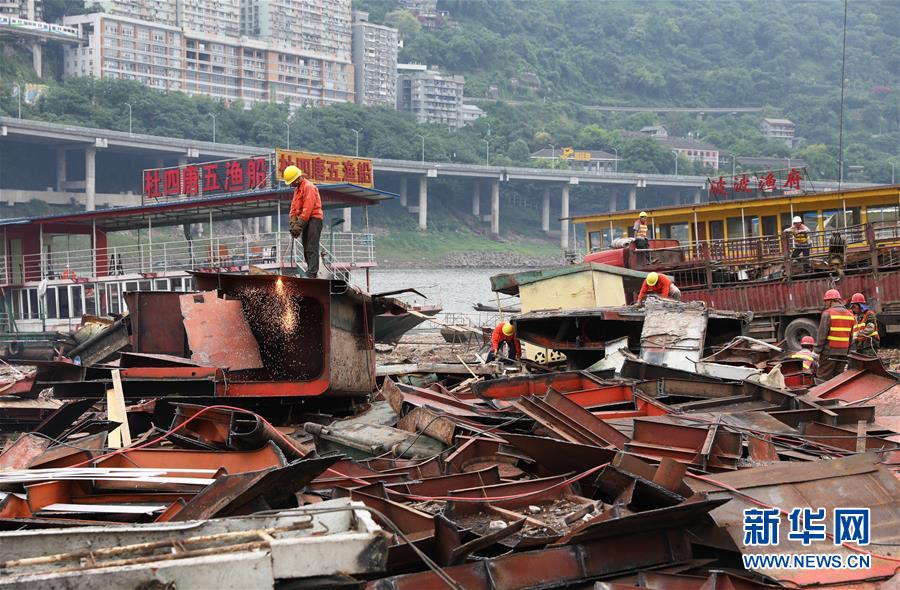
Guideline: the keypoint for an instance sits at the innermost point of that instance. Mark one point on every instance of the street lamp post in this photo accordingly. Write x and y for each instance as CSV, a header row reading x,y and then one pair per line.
x,y
129,118
422,137
356,131
616,161
214,125
19,96
287,125
487,152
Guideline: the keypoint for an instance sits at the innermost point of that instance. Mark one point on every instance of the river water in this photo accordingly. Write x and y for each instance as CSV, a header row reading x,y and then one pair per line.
x,y
456,289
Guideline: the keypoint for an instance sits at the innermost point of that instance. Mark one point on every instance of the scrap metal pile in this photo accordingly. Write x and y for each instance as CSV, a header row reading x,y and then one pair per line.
x,y
636,475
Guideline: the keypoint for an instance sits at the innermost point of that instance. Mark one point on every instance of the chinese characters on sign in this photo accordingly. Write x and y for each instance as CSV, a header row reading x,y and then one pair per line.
x,y
209,178
765,183
323,168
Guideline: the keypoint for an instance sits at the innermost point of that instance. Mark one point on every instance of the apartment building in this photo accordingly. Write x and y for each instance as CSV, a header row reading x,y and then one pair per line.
x,y
27,9
779,129
431,96
318,26
375,49
196,47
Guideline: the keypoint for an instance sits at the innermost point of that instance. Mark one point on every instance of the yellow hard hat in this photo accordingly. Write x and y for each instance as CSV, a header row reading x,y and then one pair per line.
x,y
643,214
509,329
291,174
652,278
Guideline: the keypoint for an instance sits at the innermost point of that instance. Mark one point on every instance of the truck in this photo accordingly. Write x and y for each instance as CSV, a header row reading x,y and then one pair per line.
x,y
780,284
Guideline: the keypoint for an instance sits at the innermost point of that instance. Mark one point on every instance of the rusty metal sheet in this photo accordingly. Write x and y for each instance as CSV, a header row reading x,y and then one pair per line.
x,y
865,379
234,495
843,438
25,449
555,567
218,333
858,480
557,457
267,457
705,445
64,417
423,420
156,325
673,334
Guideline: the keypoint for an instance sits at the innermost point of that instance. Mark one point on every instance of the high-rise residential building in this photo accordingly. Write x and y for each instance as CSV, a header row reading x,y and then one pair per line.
x,y
779,129
318,26
27,9
375,49
204,53
431,96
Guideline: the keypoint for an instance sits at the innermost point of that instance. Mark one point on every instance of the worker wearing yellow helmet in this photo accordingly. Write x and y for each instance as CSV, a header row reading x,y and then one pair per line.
x,y
658,284
305,216
505,333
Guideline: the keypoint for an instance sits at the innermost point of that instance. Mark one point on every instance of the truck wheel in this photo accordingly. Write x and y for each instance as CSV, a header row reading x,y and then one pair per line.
x,y
796,330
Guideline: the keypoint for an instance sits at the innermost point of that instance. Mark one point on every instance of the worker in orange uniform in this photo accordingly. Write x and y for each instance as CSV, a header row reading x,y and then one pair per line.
x,y
641,231
305,217
833,339
865,332
806,354
505,332
659,284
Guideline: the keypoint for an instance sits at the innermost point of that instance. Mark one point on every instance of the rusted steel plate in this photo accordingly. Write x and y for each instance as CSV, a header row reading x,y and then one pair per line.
x,y
24,450
843,438
584,419
156,325
858,480
233,462
556,456
218,333
520,386
865,379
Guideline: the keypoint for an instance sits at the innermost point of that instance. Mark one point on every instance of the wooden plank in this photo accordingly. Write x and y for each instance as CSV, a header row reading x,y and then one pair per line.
x,y
115,411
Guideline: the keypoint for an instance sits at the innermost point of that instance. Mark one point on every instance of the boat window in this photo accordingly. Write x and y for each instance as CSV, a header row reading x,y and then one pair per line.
x,y
50,302
33,304
77,301
145,285
131,286
810,219
674,231
716,230
596,240
882,213
90,300
839,218
115,305
176,284
63,302
161,285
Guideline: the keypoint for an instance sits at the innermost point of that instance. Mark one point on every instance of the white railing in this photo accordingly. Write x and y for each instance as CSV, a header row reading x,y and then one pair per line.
x,y
350,250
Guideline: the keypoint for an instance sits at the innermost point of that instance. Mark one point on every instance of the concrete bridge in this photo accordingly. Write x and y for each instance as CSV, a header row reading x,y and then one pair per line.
x,y
168,151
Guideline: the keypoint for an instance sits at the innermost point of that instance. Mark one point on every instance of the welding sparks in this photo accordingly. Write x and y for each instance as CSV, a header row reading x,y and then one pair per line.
x,y
288,317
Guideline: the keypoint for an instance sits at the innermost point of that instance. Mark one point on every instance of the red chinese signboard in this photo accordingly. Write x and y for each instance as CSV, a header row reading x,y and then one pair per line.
x,y
208,178
327,169
765,183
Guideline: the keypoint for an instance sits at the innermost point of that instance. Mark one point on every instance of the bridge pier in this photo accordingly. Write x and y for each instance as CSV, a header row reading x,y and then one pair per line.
x,y
545,211
90,178
476,199
495,207
403,191
37,59
564,214
60,169
423,203
632,198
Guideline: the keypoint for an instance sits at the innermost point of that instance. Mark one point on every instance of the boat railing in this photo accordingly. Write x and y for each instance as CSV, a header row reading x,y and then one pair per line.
x,y
350,250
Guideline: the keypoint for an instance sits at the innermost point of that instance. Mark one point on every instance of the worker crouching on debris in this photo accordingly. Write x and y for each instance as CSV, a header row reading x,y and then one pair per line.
x,y
806,354
505,333
865,332
305,217
833,339
658,284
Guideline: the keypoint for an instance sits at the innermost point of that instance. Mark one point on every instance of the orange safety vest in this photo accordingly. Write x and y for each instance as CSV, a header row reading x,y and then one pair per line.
x,y
861,324
642,230
807,357
841,327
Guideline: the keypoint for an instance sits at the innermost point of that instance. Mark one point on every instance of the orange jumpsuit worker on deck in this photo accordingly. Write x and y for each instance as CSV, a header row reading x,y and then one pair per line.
x,y
505,332
306,217
659,284
833,339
